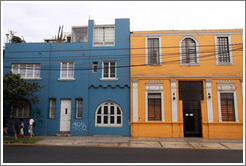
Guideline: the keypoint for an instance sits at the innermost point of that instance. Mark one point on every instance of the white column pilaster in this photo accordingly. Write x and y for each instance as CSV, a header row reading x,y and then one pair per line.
x,y
209,100
174,100
135,100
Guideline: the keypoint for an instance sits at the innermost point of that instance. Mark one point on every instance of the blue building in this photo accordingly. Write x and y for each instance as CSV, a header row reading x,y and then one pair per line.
x,y
86,82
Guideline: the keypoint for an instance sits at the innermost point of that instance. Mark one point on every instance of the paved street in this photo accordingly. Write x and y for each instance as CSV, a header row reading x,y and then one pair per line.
x,y
77,154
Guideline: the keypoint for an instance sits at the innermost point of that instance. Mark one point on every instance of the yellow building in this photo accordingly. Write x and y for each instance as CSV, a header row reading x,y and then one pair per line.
x,y
187,84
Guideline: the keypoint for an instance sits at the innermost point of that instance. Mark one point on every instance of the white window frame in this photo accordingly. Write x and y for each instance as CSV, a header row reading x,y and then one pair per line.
x,y
33,70
197,52
235,106
67,78
50,108
109,78
103,43
109,115
77,111
230,50
146,50
162,106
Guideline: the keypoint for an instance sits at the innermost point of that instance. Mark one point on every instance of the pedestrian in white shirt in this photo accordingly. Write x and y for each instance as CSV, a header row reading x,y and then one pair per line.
x,y
30,128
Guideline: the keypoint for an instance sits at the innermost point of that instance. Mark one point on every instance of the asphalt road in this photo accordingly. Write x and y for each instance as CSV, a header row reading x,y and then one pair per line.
x,y
72,154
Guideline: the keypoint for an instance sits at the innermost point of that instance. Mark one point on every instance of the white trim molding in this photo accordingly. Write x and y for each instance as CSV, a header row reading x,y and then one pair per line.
x,y
197,51
135,100
185,33
230,49
209,100
174,100
146,49
162,105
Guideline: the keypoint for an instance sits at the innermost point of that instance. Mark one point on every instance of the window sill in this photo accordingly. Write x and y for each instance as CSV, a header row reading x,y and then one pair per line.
x,y
154,64
66,79
109,79
224,64
32,78
190,64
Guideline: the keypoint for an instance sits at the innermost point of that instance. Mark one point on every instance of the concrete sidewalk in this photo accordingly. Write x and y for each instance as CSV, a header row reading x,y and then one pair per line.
x,y
143,142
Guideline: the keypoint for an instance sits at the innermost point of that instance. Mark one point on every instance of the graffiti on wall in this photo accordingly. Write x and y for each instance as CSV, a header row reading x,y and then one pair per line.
x,y
79,126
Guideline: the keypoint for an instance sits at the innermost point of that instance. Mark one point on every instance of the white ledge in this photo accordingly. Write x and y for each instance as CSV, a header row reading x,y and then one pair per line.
x,y
66,79
109,79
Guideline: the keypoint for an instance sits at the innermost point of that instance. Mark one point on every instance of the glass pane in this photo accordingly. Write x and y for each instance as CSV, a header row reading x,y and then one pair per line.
x,y
109,34
106,70
118,119
106,110
29,71
98,119
23,70
105,119
98,35
99,111
112,119
112,69
64,69
112,110
118,111
37,71
15,68
153,51
70,70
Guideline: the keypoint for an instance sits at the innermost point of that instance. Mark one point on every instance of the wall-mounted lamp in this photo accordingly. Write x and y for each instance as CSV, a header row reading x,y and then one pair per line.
x,y
209,96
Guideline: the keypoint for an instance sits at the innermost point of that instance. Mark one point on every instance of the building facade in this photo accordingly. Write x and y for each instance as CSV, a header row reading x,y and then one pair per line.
x,y
86,82
187,84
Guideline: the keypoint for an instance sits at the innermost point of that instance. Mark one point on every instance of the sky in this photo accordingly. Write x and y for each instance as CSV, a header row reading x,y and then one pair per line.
x,y
36,21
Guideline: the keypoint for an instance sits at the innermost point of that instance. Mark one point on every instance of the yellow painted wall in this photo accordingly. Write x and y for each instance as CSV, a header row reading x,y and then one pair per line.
x,y
171,68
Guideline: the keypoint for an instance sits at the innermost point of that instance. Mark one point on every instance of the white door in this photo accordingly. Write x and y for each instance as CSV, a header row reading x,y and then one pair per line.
x,y
65,115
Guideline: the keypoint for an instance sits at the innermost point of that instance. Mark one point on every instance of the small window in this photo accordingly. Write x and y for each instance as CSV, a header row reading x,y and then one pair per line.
x,y
109,70
108,114
154,107
67,70
79,34
104,36
27,71
79,105
153,51
23,112
52,109
94,67
223,50
227,106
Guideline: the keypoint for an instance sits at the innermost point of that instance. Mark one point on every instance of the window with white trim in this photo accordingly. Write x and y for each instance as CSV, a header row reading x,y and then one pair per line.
x,y
79,34
223,50
79,109
154,106
109,70
188,51
153,51
108,114
23,112
104,36
52,108
227,106
67,70
27,71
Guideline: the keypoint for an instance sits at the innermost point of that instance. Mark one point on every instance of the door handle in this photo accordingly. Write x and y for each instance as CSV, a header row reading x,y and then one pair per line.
x,y
66,111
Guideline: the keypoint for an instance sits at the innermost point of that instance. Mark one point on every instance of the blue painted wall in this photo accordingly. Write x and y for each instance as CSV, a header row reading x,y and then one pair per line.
x,y
87,85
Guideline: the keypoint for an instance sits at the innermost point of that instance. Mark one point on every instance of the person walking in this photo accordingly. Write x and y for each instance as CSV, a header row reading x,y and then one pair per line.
x,y
21,128
30,128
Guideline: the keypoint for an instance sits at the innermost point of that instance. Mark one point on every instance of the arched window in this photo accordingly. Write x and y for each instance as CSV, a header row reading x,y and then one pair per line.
x,y
108,114
189,51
